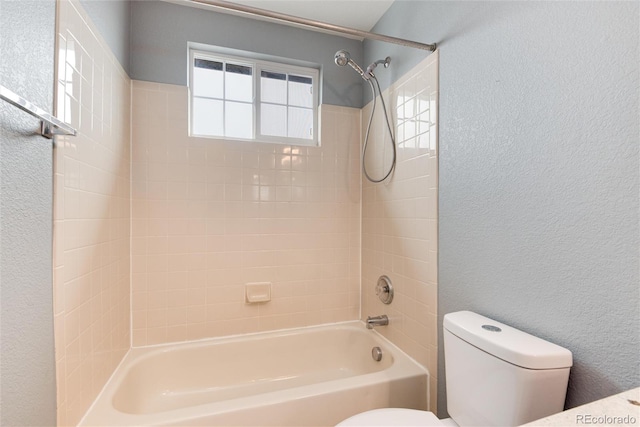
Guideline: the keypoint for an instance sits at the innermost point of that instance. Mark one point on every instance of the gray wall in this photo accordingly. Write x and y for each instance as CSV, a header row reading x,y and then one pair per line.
x,y
160,32
27,370
538,202
113,19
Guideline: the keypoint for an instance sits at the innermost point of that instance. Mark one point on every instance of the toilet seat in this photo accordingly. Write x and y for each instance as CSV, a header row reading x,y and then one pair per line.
x,y
392,417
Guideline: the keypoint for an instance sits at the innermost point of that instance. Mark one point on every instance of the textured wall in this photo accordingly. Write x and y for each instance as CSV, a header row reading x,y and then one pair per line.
x,y
399,217
210,215
112,18
160,32
27,373
91,214
538,190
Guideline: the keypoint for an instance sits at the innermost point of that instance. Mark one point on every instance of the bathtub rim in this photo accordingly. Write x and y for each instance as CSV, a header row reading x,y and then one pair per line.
x,y
136,354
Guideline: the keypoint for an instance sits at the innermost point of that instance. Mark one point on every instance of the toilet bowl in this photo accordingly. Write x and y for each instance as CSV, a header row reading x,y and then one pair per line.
x,y
523,378
396,417
392,417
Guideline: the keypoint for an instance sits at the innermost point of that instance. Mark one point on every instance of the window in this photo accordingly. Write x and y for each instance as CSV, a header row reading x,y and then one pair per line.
x,y
240,98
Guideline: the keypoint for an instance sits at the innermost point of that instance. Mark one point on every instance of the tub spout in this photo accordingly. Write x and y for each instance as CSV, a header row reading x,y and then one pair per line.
x,y
377,321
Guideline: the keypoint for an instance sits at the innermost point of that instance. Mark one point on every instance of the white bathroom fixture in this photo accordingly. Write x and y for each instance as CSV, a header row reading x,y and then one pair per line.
x,y
309,376
496,375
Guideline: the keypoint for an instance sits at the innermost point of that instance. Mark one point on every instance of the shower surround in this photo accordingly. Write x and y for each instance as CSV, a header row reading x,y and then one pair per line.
x,y
211,215
156,233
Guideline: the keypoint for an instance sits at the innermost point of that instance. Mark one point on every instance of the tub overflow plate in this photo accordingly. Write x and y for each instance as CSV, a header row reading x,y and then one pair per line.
x,y
376,353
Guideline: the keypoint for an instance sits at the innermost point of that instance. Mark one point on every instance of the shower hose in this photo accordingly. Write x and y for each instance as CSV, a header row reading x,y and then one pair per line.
x,y
366,138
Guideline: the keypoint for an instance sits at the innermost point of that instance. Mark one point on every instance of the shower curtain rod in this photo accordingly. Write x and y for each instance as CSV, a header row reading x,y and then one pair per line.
x,y
221,4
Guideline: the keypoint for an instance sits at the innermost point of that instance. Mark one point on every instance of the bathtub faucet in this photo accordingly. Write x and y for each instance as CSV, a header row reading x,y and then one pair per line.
x,y
377,321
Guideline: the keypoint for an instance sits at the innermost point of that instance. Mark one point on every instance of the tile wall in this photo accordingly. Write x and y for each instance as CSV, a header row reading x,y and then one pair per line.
x,y
399,217
91,214
169,229
209,216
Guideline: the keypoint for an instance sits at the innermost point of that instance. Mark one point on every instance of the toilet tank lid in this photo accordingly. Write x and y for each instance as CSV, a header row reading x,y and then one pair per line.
x,y
507,343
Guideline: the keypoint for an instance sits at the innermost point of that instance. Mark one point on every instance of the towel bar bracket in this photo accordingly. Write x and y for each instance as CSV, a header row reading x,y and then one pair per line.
x,y
50,125
49,130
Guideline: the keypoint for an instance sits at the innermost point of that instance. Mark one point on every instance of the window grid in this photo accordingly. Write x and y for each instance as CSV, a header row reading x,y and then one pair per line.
x,y
288,104
224,99
257,67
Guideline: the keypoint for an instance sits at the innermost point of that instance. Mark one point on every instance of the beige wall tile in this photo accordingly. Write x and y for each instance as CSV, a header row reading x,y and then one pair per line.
x,y
91,215
399,229
211,215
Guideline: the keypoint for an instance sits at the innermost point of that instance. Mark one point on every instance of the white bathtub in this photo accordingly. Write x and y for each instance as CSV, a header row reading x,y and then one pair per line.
x,y
302,377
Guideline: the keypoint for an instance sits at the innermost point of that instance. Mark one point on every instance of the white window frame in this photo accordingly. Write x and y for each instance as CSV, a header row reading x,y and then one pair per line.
x,y
257,67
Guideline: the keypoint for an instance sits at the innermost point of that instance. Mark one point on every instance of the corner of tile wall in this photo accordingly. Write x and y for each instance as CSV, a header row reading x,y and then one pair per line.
x,y
399,216
91,214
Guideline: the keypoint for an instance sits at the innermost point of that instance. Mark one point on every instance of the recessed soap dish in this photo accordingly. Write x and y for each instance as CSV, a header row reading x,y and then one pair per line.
x,y
257,292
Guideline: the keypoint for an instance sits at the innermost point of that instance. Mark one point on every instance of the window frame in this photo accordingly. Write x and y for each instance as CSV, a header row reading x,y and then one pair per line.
x,y
258,66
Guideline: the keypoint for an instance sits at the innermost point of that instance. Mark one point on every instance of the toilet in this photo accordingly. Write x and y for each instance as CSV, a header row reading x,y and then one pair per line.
x,y
496,375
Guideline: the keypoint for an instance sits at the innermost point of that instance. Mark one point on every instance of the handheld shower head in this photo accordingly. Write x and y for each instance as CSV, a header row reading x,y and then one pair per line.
x,y
343,58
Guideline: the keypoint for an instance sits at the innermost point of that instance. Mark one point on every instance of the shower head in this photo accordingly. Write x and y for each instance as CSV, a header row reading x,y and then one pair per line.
x,y
343,58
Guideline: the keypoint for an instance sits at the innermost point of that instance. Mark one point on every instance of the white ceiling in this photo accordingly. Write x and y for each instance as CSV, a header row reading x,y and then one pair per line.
x,y
359,14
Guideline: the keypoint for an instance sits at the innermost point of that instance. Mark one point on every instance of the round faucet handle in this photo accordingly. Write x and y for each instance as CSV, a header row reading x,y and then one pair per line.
x,y
384,289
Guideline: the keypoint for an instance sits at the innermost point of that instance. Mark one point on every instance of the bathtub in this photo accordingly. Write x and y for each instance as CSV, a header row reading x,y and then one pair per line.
x,y
303,377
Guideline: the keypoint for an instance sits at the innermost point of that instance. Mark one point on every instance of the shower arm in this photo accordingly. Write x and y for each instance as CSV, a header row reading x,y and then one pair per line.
x,y
317,25
386,61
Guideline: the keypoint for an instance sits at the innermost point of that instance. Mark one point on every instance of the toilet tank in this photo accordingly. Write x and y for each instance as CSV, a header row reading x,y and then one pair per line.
x,y
497,375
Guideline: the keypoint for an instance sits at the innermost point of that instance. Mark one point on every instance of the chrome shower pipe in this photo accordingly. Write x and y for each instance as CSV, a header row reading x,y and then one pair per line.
x,y
318,25
386,61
